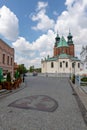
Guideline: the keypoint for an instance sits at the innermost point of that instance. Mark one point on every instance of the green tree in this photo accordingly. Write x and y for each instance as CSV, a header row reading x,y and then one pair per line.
x,y
31,69
8,77
22,69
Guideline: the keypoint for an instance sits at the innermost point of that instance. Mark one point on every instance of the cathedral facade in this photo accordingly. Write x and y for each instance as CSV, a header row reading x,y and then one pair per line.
x,y
63,59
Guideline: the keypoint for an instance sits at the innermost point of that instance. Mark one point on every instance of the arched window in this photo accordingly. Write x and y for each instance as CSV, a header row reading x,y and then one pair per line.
x,y
72,65
66,64
78,65
7,60
3,59
60,64
52,65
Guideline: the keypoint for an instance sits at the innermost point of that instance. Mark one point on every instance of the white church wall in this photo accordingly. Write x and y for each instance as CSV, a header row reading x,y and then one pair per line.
x,y
47,68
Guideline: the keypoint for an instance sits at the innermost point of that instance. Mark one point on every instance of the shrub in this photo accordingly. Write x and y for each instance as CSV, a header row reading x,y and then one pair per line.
x,y
8,77
73,79
84,79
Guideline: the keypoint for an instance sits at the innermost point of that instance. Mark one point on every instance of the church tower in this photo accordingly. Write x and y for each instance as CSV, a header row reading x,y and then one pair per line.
x,y
63,59
63,46
57,40
71,45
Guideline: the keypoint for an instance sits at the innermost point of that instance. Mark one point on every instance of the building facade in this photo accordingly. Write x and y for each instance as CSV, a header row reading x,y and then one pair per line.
x,y
6,58
63,60
83,56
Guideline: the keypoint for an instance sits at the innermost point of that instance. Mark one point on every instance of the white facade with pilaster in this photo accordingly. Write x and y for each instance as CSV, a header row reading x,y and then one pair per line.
x,y
60,65
83,56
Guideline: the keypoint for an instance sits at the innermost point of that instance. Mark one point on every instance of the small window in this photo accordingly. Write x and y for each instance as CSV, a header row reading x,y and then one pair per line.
x,y
78,65
3,59
8,60
60,64
66,64
11,61
52,65
72,65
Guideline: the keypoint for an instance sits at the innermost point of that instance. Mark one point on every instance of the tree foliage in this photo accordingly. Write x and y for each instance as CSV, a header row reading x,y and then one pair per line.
x,y
32,69
22,69
9,77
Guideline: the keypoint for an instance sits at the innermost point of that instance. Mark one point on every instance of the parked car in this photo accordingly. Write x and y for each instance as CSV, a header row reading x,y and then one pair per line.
x,y
34,73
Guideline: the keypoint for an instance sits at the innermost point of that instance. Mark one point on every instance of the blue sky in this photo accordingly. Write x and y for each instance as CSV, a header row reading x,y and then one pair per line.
x,y
30,27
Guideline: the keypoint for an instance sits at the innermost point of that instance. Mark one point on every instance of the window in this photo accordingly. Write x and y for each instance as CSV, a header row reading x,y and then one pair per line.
x,y
78,65
72,65
52,65
66,64
11,61
3,59
60,64
8,60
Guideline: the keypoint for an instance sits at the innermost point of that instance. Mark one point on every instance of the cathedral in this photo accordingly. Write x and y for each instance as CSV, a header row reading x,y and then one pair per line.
x,y
63,59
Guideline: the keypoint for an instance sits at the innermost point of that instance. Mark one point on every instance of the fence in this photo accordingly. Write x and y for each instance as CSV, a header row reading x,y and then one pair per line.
x,y
79,82
54,74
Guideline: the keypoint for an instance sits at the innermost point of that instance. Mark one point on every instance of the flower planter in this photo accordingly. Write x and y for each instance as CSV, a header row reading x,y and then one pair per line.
x,y
8,85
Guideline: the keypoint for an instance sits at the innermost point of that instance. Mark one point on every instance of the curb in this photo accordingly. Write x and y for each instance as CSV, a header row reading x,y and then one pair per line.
x,y
4,93
81,98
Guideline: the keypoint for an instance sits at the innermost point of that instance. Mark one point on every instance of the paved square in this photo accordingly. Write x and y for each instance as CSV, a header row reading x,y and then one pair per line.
x,y
37,102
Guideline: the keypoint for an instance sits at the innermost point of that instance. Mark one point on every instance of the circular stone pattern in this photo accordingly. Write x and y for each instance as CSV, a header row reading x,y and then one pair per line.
x,y
37,102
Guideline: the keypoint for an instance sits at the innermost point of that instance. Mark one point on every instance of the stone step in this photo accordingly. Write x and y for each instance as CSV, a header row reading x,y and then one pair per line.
x,y
4,92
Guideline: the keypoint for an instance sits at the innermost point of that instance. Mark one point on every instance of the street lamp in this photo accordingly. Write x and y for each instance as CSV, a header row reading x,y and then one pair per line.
x,y
63,66
74,73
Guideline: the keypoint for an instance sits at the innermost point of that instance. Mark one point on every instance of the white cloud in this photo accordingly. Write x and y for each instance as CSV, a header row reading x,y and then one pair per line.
x,y
41,5
75,18
8,23
22,44
31,52
43,21
69,2
55,13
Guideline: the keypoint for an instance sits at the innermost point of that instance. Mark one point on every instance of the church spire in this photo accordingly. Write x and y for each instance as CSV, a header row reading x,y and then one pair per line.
x,y
57,39
69,37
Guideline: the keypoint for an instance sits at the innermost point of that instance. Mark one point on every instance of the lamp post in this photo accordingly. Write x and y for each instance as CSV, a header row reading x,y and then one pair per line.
x,y
63,67
74,72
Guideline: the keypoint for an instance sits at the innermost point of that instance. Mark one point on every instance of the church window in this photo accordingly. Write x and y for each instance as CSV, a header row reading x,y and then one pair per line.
x,y
72,65
3,59
66,64
60,64
78,65
52,65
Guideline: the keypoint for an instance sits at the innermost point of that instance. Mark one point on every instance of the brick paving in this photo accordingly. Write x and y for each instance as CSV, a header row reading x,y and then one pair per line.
x,y
36,102
67,116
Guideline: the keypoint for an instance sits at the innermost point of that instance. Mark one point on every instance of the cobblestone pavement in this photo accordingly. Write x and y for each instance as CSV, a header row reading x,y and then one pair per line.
x,y
37,102
66,116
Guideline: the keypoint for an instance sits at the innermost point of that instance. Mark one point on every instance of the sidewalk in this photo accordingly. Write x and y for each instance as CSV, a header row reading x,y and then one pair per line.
x,y
81,95
84,88
4,92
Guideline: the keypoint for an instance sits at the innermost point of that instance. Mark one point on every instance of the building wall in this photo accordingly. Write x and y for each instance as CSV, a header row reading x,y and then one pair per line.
x,y
6,58
68,50
71,50
47,68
